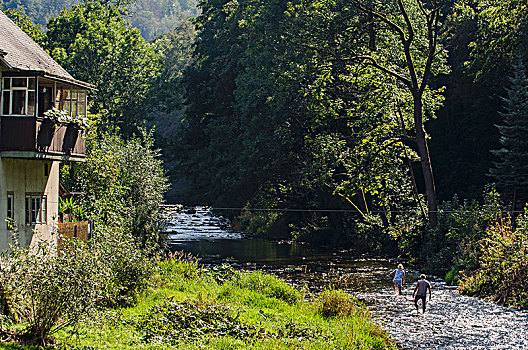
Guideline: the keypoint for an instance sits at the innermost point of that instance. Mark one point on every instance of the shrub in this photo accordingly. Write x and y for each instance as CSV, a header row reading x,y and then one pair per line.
x,y
503,265
47,291
124,266
336,303
453,244
267,285
123,183
174,321
177,267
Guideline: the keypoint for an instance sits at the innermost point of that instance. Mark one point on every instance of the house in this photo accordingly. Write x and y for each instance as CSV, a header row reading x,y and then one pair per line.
x,y
32,145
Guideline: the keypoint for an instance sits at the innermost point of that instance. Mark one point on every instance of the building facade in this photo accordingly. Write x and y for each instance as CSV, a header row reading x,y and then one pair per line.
x,y
40,108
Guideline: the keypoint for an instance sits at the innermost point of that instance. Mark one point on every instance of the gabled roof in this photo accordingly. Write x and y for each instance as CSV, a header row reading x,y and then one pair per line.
x,y
18,51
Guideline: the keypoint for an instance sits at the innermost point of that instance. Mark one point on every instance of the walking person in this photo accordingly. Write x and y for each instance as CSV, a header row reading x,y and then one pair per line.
x,y
399,278
420,292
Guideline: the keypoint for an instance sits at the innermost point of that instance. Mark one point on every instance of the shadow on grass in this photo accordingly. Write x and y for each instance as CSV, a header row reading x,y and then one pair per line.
x,y
13,346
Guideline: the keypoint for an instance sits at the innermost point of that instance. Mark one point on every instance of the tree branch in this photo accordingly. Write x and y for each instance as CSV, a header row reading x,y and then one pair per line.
x,y
374,63
383,18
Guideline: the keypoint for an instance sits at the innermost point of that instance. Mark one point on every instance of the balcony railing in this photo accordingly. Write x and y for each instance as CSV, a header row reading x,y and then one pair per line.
x,y
40,135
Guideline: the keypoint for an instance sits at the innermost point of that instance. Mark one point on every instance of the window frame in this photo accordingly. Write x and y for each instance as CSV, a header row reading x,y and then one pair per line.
x,y
10,214
36,214
27,89
69,100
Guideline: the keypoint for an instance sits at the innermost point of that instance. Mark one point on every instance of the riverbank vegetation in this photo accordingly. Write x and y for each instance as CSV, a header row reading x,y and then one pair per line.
x,y
395,127
189,306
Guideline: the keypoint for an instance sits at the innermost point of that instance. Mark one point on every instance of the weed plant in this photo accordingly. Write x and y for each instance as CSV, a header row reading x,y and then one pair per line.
x,y
188,306
503,265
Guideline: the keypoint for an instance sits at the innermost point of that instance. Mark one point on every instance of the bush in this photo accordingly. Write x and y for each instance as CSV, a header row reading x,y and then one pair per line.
x,y
503,266
47,291
123,183
124,266
267,285
336,303
175,321
453,244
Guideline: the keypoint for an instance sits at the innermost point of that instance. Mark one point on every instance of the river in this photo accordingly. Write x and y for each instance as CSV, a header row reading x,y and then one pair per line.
x,y
451,321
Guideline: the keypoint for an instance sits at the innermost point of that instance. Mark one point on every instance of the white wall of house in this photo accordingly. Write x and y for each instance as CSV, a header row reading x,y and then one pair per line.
x,y
28,178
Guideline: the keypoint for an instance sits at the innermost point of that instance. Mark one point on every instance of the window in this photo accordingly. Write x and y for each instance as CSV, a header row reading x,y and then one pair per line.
x,y
36,209
72,101
18,96
10,206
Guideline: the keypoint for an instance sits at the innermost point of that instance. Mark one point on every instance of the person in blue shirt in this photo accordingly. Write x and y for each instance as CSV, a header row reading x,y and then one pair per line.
x,y
399,278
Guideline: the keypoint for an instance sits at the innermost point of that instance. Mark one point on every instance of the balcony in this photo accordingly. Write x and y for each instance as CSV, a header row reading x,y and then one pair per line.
x,y
31,137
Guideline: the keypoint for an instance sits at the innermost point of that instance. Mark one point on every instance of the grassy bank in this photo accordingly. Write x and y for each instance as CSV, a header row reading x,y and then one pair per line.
x,y
190,307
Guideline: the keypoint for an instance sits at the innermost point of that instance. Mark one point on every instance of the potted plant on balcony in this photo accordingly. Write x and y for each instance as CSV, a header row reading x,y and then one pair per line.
x,y
63,117
56,116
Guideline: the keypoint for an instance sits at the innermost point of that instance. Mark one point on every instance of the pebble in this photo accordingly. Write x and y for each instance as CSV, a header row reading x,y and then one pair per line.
x,y
451,321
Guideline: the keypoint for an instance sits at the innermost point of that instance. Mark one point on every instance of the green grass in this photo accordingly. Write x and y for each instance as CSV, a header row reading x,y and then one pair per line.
x,y
188,307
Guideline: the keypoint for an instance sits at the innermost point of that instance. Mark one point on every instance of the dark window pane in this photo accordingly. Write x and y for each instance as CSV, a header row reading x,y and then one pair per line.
x,y
10,206
5,107
19,82
80,108
19,102
31,83
7,83
28,210
31,103
74,103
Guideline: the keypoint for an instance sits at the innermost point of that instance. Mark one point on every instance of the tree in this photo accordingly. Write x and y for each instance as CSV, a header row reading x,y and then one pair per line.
x,y
156,17
502,28
279,117
123,184
511,170
414,27
96,44
26,24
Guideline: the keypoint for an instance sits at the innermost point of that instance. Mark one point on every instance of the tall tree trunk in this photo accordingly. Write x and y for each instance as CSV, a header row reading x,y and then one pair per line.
x,y
372,32
425,161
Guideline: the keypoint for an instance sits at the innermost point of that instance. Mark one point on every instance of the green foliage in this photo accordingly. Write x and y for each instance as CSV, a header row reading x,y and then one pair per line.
x,y
280,118
125,265
152,18
499,34
160,16
267,285
38,10
166,97
47,291
194,313
511,169
96,44
336,303
454,243
123,183
503,265
174,321
70,210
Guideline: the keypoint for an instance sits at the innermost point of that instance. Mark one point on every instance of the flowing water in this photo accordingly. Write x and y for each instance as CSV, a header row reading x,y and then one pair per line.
x,y
451,321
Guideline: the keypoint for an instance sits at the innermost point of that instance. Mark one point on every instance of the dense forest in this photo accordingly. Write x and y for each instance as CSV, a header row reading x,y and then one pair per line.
x,y
153,18
393,126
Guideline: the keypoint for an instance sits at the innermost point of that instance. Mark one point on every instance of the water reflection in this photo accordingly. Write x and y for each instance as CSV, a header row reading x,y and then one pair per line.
x,y
258,251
